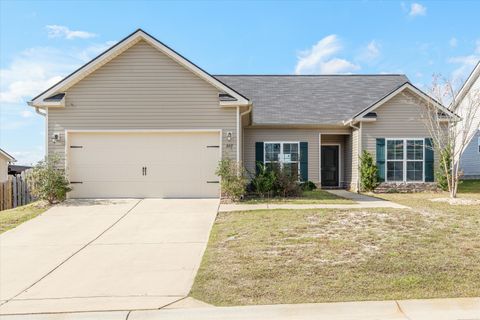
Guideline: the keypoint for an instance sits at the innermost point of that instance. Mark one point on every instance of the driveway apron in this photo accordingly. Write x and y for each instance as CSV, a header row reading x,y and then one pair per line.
x,y
97,255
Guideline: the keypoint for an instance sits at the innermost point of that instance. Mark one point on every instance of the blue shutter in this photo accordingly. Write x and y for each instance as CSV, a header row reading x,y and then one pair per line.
x,y
429,161
381,159
258,155
304,161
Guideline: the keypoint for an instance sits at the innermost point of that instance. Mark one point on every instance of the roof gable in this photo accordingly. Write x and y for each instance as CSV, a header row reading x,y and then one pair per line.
x,y
7,156
43,99
411,88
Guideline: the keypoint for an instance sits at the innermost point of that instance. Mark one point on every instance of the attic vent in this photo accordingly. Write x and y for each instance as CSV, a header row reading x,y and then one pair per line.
x,y
370,115
57,97
226,97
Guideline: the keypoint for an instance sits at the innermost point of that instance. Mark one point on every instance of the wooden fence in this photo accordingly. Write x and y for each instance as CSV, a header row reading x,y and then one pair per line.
x,y
15,192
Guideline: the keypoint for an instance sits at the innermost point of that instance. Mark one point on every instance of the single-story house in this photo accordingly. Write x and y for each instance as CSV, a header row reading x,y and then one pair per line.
x,y
140,120
5,160
469,109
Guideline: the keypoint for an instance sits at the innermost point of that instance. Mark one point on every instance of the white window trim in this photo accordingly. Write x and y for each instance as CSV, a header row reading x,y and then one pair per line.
x,y
405,160
281,153
478,145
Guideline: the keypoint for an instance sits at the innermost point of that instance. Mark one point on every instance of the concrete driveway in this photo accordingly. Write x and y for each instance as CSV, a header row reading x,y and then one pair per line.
x,y
94,255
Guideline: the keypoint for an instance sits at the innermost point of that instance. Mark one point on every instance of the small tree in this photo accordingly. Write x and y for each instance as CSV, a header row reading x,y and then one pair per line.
x,y
451,134
368,172
264,181
233,177
48,181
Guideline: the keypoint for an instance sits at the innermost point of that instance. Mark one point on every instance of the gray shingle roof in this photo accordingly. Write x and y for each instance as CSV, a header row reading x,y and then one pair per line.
x,y
311,100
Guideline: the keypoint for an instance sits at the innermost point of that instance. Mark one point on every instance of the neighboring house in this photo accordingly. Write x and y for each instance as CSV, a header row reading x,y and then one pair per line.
x,y
470,157
5,160
140,120
16,169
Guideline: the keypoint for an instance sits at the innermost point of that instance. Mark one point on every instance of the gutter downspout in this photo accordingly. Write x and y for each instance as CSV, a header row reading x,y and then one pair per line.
x,y
240,124
359,143
37,110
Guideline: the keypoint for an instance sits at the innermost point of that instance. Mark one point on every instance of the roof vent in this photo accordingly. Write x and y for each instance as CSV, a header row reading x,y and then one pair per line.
x,y
226,97
370,115
55,98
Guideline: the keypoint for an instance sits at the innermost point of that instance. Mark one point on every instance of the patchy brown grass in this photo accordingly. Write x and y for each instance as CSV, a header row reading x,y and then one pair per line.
x,y
13,217
308,197
299,256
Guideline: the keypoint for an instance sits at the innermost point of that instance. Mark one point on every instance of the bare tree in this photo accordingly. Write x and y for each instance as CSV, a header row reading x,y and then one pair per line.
x,y
451,134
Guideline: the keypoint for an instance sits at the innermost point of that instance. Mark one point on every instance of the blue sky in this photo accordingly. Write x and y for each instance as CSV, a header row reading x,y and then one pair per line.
x,y
42,41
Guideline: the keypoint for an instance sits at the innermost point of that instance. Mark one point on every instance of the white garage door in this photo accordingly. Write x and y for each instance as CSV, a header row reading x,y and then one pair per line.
x,y
147,165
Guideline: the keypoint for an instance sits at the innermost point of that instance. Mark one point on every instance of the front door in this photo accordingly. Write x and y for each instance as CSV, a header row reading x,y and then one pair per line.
x,y
330,166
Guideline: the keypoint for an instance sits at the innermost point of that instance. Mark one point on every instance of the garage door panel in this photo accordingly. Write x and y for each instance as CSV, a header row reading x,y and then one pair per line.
x,y
110,164
124,189
94,172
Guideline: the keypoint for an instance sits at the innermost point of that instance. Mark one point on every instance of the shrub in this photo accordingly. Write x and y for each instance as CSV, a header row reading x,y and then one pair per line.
x,y
264,180
308,186
286,184
368,172
48,180
233,178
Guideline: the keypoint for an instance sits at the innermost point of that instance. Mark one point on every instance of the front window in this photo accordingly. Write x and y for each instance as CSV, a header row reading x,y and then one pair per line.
x,y
285,154
405,159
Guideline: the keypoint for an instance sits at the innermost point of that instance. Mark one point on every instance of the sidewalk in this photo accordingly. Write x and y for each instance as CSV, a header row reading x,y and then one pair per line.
x,y
429,309
362,202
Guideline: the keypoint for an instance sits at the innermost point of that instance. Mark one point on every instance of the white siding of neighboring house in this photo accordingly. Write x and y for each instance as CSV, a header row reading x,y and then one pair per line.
x,y
143,89
470,161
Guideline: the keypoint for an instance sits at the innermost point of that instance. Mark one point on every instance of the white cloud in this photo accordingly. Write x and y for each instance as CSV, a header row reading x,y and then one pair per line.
x,y
319,59
56,31
86,54
416,9
370,52
26,114
453,42
28,157
37,69
465,65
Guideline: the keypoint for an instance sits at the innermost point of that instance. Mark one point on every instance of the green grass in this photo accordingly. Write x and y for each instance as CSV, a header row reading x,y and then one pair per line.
x,y
306,256
308,197
13,217
469,186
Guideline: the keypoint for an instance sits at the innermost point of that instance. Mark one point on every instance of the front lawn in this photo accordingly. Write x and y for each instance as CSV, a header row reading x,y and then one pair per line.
x,y
13,217
308,197
302,256
469,186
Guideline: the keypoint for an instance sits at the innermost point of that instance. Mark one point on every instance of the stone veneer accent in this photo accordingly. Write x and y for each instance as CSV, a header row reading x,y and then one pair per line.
x,y
406,187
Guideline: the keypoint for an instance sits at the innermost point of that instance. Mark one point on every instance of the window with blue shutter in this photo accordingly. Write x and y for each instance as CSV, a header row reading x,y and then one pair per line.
x,y
258,156
429,161
304,161
381,159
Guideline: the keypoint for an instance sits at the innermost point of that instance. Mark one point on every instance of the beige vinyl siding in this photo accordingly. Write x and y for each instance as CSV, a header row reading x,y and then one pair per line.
x,y
355,148
399,117
3,169
142,89
347,153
